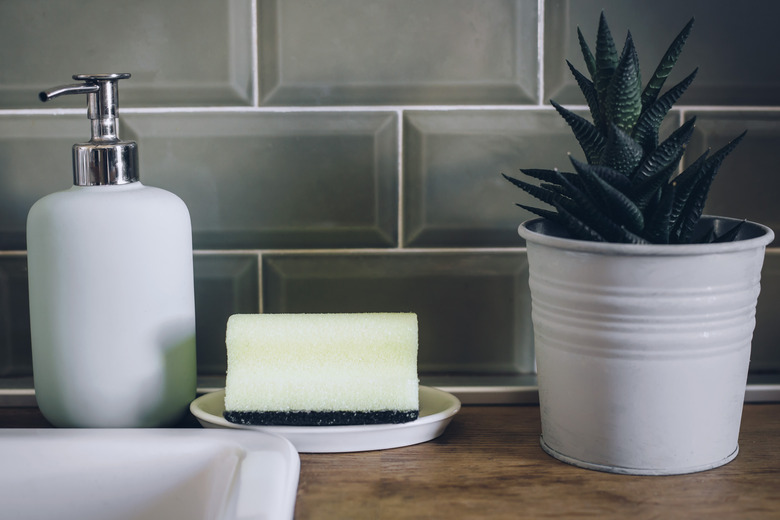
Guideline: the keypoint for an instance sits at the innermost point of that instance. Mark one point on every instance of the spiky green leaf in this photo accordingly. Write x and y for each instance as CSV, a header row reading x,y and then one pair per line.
x,y
591,96
606,58
581,205
648,193
544,213
543,194
693,210
624,93
616,179
667,154
576,227
731,234
618,205
546,175
590,139
686,181
621,152
694,206
590,61
658,227
649,122
711,235
665,66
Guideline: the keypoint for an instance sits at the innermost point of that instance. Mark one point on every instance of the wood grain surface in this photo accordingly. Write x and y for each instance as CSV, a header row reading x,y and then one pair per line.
x,y
488,464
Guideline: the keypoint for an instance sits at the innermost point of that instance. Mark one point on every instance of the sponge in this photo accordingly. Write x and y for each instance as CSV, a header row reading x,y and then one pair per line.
x,y
321,369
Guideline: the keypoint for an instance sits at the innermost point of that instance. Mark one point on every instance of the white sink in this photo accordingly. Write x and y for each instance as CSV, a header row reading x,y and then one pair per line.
x,y
122,474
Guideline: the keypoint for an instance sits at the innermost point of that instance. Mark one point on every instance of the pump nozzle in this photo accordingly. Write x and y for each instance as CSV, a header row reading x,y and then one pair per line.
x,y
76,88
104,159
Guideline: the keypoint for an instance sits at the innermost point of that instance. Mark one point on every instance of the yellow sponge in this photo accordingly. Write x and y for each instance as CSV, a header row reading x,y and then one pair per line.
x,y
321,369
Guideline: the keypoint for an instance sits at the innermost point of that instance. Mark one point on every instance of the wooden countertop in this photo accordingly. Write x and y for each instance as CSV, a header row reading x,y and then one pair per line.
x,y
488,464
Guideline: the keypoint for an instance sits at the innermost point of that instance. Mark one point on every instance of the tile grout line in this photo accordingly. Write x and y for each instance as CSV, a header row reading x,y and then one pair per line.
x,y
391,250
540,51
400,173
255,56
260,282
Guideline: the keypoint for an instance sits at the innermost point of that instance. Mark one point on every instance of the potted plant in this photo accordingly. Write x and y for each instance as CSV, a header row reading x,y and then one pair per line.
x,y
643,309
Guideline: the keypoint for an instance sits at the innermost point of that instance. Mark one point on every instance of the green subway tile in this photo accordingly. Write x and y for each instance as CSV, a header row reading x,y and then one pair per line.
x,y
224,285
292,180
473,307
372,52
453,161
179,52
35,160
277,180
747,183
15,351
731,44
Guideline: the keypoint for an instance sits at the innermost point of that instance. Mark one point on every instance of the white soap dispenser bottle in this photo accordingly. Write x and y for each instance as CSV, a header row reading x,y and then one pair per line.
x,y
112,309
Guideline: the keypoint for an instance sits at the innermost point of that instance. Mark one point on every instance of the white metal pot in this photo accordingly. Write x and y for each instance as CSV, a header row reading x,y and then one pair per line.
x,y
643,350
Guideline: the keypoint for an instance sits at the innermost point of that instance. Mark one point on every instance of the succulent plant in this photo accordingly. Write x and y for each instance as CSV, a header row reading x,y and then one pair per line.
x,y
628,189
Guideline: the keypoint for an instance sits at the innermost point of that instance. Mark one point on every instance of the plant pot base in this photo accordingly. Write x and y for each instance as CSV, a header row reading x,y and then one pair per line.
x,y
634,471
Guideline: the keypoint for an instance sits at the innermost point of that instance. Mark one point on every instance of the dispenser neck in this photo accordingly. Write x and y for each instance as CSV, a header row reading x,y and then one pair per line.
x,y
103,108
105,159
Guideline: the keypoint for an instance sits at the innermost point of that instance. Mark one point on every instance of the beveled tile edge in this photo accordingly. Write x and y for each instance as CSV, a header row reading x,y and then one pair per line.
x,y
254,56
271,87
540,72
240,252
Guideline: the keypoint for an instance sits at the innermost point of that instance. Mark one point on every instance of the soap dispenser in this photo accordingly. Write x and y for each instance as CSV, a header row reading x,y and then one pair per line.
x,y
112,309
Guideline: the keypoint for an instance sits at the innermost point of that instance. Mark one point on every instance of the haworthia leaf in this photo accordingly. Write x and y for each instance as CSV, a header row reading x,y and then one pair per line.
x,y
665,66
547,175
658,226
624,93
549,215
551,177
631,238
581,206
693,209
618,205
691,212
646,129
555,188
590,61
590,139
621,152
686,181
576,227
606,58
613,177
648,192
710,236
665,154
591,96
538,192
731,234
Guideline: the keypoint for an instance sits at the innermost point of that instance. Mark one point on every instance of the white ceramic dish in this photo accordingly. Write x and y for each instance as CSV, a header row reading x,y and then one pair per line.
x,y
121,474
436,411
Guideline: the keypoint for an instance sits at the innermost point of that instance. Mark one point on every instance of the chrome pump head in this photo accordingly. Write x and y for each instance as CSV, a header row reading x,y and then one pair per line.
x,y
105,159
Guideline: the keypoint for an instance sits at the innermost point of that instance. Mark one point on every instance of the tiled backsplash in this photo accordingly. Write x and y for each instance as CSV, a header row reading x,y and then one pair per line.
x,y
346,155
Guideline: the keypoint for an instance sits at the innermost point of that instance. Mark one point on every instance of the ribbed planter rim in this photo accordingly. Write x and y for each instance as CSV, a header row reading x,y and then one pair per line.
x,y
546,232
